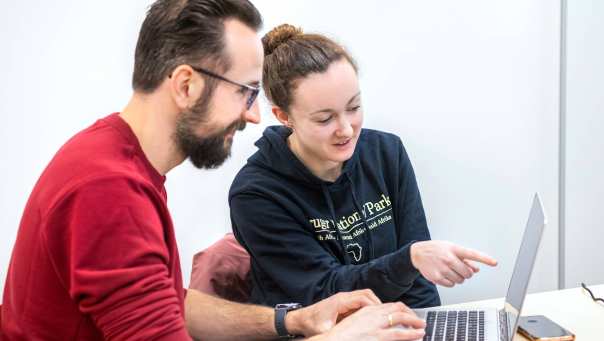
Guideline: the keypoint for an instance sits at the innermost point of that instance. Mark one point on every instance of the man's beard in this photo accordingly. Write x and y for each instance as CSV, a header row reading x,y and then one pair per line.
x,y
205,152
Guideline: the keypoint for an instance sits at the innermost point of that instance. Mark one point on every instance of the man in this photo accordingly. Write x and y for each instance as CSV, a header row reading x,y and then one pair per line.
x,y
95,256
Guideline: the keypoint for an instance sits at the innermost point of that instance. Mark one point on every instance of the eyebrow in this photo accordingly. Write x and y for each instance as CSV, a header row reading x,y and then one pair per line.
x,y
331,110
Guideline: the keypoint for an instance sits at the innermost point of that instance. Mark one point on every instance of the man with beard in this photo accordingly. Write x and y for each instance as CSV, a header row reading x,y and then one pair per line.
x,y
95,256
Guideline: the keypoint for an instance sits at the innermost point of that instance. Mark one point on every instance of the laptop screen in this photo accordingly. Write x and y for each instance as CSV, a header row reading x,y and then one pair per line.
x,y
524,264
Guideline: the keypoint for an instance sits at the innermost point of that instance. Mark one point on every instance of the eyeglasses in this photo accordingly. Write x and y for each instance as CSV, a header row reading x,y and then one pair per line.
x,y
244,87
596,299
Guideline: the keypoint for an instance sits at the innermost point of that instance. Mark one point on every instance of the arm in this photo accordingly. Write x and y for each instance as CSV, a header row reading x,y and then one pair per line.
x,y
107,244
302,267
108,247
213,318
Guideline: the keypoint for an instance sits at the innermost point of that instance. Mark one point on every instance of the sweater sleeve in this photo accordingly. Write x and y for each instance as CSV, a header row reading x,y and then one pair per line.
x,y
412,226
108,245
300,265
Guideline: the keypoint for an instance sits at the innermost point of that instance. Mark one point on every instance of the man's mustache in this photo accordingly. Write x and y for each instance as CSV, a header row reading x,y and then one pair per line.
x,y
237,125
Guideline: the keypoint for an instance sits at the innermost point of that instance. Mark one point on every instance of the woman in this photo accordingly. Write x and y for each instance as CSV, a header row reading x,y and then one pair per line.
x,y
325,206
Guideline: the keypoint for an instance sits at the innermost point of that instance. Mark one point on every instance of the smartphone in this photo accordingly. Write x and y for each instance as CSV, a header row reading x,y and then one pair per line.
x,y
540,328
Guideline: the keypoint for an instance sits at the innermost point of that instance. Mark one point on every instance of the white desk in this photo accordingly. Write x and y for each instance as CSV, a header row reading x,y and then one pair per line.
x,y
573,309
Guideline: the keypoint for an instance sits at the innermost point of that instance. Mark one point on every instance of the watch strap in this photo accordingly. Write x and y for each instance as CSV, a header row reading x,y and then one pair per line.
x,y
281,311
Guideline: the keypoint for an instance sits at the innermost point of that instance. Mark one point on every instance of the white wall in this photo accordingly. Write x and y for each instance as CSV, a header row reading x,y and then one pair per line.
x,y
584,143
470,86
64,64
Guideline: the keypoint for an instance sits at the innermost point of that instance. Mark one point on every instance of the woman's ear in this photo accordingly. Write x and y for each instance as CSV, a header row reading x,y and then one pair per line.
x,y
282,116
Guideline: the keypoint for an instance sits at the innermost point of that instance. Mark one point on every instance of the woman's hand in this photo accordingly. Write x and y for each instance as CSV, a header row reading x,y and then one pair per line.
x,y
445,263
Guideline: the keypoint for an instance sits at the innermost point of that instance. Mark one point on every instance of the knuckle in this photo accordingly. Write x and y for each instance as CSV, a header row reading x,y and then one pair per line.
x,y
387,306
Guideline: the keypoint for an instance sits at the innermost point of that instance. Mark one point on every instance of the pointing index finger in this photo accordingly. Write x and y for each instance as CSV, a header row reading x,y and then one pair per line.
x,y
476,256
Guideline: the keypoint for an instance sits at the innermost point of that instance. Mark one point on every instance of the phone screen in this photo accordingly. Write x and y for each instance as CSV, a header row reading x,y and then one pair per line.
x,y
540,327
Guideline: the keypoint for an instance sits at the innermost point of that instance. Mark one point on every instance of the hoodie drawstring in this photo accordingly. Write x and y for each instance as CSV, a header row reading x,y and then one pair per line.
x,y
333,217
356,204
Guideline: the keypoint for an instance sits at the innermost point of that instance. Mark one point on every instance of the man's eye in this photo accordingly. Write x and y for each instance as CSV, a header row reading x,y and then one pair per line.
x,y
325,120
242,91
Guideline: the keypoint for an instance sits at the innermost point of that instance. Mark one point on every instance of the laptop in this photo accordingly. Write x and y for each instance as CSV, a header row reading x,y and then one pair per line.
x,y
492,324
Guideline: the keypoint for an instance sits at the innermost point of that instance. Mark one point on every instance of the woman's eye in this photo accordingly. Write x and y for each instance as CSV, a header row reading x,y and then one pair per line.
x,y
355,108
325,120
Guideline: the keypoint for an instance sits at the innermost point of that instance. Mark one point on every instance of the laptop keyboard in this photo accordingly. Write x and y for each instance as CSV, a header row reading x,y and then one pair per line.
x,y
451,325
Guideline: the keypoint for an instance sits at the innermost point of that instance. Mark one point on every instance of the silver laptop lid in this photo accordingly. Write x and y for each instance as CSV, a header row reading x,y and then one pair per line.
x,y
524,264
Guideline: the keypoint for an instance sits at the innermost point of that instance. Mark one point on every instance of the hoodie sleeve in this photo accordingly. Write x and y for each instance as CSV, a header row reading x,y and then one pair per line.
x,y
300,266
412,227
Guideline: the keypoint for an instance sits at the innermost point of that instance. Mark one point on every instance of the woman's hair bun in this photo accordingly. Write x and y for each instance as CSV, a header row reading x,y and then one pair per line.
x,y
279,35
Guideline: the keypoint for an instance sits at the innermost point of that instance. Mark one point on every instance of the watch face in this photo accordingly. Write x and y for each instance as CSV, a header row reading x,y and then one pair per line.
x,y
288,306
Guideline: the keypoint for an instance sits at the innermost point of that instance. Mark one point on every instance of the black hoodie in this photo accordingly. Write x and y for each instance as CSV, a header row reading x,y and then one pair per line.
x,y
286,218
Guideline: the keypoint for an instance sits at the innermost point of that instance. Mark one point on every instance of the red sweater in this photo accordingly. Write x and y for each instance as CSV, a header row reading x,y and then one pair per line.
x,y
95,256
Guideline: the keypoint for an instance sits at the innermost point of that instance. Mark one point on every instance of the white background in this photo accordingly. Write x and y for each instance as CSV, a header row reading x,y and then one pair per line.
x,y
584,149
472,88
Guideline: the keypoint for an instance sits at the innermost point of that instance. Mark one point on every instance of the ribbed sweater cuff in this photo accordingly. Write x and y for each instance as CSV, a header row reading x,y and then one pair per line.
x,y
400,270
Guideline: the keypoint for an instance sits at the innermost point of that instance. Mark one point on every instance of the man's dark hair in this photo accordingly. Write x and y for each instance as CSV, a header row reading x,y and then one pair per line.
x,y
179,32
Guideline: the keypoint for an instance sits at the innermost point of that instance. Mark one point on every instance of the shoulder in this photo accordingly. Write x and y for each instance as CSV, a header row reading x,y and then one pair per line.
x,y
253,178
104,165
378,135
381,140
379,144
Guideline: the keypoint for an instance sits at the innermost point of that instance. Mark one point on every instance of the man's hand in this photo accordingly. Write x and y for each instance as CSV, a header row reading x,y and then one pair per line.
x,y
322,316
384,322
445,263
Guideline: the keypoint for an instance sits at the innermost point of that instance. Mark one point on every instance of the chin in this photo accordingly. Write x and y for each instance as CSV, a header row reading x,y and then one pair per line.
x,y
341,156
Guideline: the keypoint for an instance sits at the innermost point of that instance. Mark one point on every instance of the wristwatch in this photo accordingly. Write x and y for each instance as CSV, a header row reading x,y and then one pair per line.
x,y
281,310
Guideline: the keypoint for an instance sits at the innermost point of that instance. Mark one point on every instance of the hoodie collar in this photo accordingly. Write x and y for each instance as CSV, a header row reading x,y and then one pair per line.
x,y
274,154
